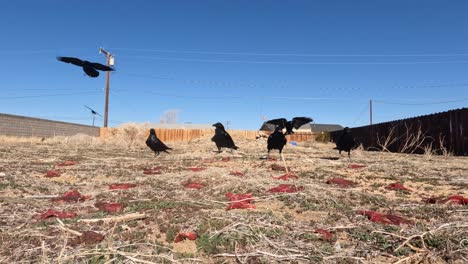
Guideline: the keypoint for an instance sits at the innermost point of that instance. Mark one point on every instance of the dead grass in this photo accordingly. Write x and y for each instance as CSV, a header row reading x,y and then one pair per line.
x,y
280,229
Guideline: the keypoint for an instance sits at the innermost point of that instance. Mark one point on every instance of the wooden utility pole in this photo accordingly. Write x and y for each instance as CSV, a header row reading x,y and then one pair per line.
x,y
106,107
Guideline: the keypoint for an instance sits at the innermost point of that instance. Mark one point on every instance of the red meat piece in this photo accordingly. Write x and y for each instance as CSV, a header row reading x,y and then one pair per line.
x,y
122,186
226,159
288,188
71,196
237,173
195,169
152,171
457,199
109,207
194,185
185,235
325,234
356,166
397,187
67,163
53,213
286,177
377,217
277,167
52,173
341,182
240,201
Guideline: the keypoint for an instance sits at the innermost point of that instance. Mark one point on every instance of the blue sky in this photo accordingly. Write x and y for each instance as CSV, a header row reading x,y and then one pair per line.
x,y
236,60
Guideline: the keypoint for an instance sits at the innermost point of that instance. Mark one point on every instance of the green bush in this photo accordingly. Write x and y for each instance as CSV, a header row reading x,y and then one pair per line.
x,y
323,137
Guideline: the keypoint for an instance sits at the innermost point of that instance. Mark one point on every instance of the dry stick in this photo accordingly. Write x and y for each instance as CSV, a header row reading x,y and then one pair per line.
x,y
129,217
62,226
284,163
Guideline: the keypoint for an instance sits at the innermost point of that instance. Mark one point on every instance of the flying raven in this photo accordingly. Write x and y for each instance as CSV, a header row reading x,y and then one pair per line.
x,y
346,142
155,144
90,68
222,138
296,123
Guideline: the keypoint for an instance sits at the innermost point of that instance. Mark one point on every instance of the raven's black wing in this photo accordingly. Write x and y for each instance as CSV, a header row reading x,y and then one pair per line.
x,y
297,122
101,67
278,122
71,60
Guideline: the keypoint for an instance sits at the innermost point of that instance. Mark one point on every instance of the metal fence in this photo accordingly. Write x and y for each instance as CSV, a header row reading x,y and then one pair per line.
x,y
440,133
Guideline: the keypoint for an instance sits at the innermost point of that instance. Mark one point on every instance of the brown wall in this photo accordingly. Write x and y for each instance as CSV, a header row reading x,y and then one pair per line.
x,y
21,126
450,127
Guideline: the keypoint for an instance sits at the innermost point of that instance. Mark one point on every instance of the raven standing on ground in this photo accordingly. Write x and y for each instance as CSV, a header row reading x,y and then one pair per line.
x,y
346,142
296,123
90,68
155,144
222,138
276,140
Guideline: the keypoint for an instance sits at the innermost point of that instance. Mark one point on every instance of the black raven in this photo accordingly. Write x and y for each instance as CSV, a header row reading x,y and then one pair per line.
x,y
90,68
222,138
155,144
346,142
296,123
276,140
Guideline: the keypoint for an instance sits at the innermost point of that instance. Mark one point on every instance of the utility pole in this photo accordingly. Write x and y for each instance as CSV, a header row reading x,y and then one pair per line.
x,y
110,62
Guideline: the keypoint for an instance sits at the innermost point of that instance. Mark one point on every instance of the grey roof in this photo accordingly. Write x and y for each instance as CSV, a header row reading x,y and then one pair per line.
x,y
307,127
325,127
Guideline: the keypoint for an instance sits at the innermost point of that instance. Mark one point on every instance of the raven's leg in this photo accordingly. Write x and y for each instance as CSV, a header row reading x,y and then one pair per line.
x,y
349,155
219,150
268,155
339,152
157,153
284,162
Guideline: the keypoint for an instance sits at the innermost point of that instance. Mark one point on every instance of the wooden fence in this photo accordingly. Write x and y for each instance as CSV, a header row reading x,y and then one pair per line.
x,y
441,132
185,135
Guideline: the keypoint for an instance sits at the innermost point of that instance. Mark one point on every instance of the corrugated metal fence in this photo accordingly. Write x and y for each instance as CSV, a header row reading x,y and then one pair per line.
x,y
445,132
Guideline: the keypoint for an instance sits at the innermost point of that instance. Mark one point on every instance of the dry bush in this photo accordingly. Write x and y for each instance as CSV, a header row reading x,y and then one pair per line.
x,y
77,140
128,135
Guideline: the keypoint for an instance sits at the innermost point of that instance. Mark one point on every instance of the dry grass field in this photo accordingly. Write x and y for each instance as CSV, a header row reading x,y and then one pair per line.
x,y
316,222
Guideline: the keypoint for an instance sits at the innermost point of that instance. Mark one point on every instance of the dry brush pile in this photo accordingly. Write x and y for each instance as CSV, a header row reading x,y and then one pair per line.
x,y
83,200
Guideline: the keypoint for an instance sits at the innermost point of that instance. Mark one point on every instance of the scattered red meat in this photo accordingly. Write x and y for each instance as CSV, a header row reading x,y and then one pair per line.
x,y
195,169
377,217
397,187
240,201
53,213
109,207
286,177
325,234
341,182
226,159
122,186
457,199
453,199
237,173
194,185
185,235
356,166
272,159
67,163
277,167
52,173
71,196
153,171
288,188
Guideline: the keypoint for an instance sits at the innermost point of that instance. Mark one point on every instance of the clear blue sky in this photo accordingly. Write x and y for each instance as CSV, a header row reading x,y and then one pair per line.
x,y
228,55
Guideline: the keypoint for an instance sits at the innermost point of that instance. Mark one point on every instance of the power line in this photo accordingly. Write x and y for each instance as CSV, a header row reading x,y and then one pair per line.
x,y
44,95
297,62
428,103
295,54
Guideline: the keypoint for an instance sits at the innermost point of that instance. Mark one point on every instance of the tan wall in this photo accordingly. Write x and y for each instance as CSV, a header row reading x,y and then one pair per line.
x,y
21,126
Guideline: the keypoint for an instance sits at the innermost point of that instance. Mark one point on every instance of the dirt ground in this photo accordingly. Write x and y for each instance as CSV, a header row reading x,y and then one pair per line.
x,y
319,222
